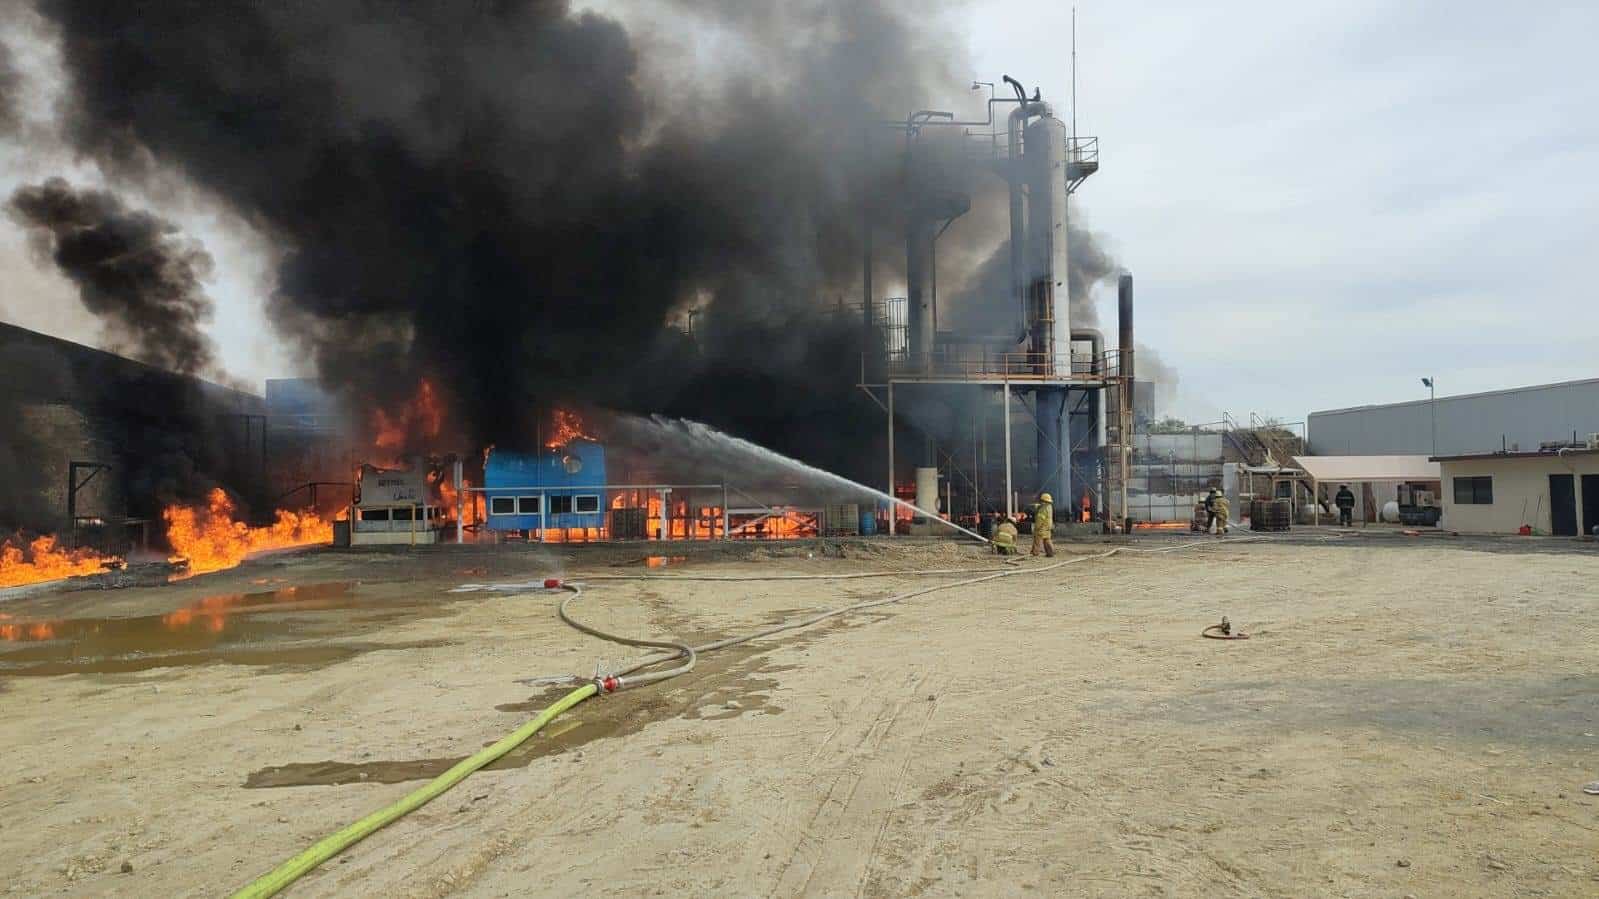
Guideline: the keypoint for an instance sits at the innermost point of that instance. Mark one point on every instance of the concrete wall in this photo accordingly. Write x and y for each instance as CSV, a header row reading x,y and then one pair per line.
x,y
1520,492
1475,423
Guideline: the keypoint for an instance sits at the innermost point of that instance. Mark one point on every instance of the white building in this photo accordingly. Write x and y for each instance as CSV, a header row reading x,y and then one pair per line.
x,y
1516,420
1497,493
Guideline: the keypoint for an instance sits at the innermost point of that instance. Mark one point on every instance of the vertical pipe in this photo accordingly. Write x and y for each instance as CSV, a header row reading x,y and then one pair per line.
x,y
890,488
460,502
1010,495
1127,375
725,534
1018,233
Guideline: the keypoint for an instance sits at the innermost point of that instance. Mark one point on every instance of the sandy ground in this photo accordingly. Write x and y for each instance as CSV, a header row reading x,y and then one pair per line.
x,y
1409,718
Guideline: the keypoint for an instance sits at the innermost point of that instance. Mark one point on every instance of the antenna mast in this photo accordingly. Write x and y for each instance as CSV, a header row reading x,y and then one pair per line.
x,y
1074,72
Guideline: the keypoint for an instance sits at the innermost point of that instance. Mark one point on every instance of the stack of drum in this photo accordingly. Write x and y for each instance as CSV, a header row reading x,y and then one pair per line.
x,y
1270,514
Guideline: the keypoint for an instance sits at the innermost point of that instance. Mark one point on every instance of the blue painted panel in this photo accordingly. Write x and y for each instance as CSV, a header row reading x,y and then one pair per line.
x,y
576,470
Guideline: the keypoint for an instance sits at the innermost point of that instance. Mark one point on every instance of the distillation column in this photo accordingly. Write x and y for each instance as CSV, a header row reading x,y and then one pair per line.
x,y
1049,300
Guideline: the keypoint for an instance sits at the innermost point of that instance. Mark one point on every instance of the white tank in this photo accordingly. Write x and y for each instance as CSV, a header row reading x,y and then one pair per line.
x,y
1045,151
927,490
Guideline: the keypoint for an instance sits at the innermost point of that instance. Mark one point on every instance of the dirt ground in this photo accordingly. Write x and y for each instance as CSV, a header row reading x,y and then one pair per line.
x,y
1408,718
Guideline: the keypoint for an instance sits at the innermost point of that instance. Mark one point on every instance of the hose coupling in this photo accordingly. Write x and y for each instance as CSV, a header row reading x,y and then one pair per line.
x,y
607,684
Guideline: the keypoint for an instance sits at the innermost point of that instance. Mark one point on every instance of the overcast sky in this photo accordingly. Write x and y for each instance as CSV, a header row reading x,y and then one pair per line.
x,y
1324,201
1321,202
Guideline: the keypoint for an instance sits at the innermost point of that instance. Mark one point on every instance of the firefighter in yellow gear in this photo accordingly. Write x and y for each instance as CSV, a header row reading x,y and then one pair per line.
x,y
1005,538
1219,508
1044,525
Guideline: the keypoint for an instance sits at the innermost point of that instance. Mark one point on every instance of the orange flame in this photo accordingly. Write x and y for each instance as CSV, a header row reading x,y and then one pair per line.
x,y
568,427
211,539
422,417
40,560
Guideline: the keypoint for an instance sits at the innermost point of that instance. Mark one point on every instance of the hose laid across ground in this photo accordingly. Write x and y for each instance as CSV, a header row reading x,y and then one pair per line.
x,y
270,883
278,878
621,676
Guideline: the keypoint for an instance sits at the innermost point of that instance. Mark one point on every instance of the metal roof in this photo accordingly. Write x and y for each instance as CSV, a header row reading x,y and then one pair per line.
x,y
1543,454
1458,396
1369,468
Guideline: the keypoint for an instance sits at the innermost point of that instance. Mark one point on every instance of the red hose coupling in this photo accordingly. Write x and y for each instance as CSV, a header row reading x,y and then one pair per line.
x,y
552,583
610,684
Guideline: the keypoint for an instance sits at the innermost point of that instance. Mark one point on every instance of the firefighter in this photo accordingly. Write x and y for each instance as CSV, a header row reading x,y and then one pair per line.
x,y
1219,511
1210,508
1345,501
1044,525
1005,537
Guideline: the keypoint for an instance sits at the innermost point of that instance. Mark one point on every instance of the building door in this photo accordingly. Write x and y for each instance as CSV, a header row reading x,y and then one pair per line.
x,y
1562,505
1590,503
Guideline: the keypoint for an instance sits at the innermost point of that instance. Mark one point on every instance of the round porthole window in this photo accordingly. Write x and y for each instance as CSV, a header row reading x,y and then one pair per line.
x,y
572,464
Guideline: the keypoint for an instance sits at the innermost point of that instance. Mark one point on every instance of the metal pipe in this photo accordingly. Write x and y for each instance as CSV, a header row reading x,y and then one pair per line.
x,y
1018,225
1124,324
1125,378
890,490
1010,495
460,505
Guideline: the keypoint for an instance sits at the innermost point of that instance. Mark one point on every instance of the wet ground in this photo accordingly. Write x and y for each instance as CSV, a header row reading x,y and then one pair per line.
x,y
299,626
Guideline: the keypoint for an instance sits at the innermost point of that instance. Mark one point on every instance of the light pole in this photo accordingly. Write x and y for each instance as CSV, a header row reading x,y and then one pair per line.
x,y
1432,393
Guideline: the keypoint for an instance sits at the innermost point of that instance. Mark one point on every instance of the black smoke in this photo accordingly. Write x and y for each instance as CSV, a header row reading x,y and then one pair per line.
x,y
491,194
134,270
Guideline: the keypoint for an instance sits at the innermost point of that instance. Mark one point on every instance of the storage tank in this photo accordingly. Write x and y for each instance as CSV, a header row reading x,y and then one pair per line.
x,y
927,490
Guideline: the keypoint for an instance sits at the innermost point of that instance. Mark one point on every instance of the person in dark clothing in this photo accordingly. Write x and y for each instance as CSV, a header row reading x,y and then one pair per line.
x,y
1210,508
1345,500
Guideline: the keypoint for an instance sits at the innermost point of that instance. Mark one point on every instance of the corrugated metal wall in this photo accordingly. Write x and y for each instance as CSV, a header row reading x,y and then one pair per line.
x,y
1475,423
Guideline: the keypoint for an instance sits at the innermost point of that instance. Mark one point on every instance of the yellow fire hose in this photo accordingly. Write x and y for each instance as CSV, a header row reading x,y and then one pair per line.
x,y
275,880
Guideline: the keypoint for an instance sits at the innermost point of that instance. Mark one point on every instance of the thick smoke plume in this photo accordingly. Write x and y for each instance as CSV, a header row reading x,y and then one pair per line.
x,y
133,270
488,194
988,297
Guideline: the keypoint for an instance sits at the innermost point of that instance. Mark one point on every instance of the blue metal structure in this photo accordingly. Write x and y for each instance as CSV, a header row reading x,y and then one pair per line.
x,y
552,488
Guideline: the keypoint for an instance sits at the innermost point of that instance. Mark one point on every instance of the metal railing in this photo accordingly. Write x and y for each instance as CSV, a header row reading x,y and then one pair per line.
x,y
979,366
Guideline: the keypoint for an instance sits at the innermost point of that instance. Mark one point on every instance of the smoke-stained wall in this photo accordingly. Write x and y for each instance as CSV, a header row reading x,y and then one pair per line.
x,y
168,438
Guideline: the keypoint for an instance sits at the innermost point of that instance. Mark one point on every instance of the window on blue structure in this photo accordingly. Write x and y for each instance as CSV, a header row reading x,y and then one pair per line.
x,y
589,503
502,505
560,505
527,505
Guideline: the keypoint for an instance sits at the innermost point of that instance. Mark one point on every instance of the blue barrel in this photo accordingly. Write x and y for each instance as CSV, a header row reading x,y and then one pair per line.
x,y
868,522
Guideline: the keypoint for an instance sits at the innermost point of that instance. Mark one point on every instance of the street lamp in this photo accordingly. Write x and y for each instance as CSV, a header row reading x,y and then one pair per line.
x,y
1433,403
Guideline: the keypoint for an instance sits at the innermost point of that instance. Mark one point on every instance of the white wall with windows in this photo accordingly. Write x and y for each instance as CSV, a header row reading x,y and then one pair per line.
x,y
1498,494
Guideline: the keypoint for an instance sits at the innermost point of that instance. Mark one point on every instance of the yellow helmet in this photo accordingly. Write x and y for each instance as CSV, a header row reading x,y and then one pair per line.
x,y
1045,498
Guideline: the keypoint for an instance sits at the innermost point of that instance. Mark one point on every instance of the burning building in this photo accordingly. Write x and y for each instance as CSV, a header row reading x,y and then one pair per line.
x,y
558,492
450,295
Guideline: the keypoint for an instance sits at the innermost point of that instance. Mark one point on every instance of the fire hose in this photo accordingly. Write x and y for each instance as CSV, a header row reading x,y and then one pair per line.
x,y
288,872
1223,631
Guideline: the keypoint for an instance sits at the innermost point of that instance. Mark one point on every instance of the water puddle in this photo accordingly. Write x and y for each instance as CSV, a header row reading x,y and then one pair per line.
x,y
236,628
